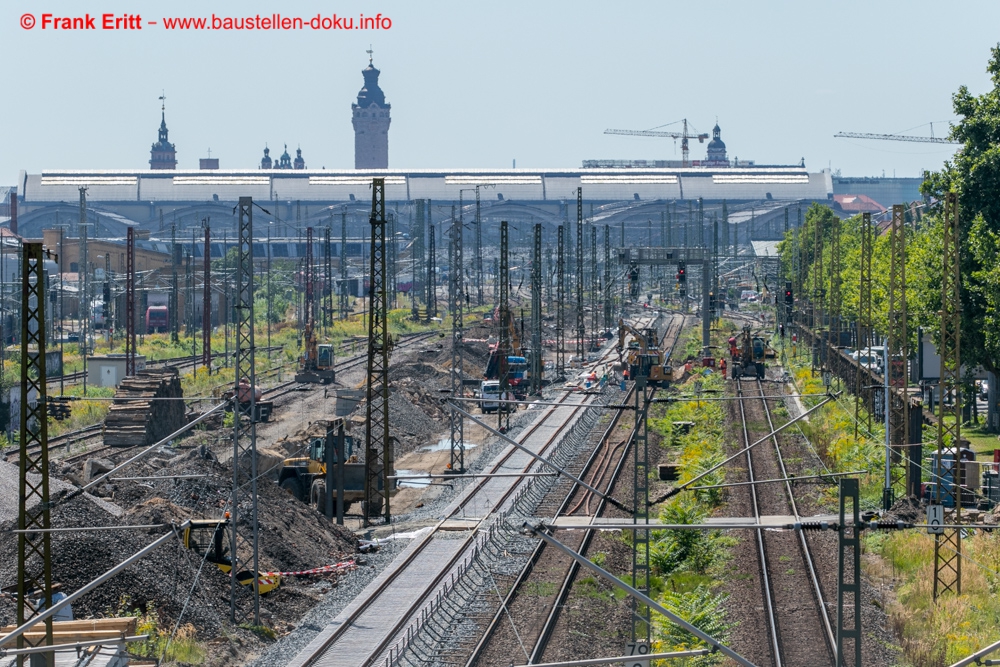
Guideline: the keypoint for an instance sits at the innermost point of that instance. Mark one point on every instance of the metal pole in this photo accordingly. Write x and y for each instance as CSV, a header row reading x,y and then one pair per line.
x,y
560,304
33,465
537,364
506,322
456,423
378,445
479,250
206,303
130,303
244,545
580,332
174,301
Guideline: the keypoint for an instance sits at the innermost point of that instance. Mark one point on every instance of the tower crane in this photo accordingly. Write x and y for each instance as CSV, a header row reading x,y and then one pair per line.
x,y
683,136
897,137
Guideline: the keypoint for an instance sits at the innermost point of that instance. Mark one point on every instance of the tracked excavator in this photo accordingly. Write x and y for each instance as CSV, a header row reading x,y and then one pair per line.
x,y
316,365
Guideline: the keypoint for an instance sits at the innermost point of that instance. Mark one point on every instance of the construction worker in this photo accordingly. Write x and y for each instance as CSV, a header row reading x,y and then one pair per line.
x,y
722,366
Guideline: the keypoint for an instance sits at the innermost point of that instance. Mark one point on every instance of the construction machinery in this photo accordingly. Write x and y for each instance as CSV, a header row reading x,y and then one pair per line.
x,y
642,354
517,363
262,409
748,352
683,136
210,539
305,477
316,365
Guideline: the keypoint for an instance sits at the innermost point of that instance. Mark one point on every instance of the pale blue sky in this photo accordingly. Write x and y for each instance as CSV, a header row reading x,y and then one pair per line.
x,y
476,84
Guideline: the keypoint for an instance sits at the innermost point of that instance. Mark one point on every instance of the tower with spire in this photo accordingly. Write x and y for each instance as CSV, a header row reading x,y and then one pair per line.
x,y
716,153
163,154
371,123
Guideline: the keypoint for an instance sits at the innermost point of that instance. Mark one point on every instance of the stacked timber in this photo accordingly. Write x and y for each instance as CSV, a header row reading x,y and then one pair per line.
x,y
134,419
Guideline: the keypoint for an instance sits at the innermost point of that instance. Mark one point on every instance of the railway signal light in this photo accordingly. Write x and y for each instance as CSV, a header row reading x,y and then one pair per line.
x,y
681,272
789,299
59,408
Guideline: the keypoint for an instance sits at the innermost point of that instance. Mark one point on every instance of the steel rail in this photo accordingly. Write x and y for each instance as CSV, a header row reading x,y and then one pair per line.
x,y
769,605
550,621
400,569
803,543
537,551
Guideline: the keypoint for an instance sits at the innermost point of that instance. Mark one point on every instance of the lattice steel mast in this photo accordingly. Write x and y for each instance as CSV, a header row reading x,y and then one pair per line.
x,y
897,401
594,292
130,302
206,302
342,292
608,298
33,549
479,250
431,273
503,341
174,299
456,421
378,446
948,545
863,417
835,299
560,303
244,527
580,332
536,311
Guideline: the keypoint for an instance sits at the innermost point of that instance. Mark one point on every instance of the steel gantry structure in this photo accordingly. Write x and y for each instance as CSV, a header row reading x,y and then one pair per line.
x,y
580,332
896,399
34,549
456,294
948,544
378,445
244,534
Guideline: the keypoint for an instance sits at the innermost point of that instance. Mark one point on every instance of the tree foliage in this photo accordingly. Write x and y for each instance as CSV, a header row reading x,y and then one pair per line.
x,y
975,176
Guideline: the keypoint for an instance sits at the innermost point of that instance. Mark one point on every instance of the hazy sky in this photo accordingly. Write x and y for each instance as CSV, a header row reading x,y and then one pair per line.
x,y
476,84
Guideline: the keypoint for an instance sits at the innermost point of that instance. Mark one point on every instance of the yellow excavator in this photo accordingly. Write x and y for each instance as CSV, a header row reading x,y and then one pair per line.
x,y
316,365
210,539
644,356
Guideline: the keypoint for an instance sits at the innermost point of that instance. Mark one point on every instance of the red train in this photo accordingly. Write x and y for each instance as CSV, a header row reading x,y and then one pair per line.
x,y
157,319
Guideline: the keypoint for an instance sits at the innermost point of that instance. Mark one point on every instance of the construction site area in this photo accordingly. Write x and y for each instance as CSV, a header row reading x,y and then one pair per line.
x,y
696,410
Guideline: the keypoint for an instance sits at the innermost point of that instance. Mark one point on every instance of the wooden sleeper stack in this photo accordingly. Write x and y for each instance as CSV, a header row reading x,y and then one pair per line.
x,y
132,422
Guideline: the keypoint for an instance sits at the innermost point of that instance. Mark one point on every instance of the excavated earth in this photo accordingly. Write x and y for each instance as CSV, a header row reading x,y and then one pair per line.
x,y
293,536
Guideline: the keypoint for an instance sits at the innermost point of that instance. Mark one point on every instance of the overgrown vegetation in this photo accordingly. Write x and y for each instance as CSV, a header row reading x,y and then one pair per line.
x,y
688,565
163,645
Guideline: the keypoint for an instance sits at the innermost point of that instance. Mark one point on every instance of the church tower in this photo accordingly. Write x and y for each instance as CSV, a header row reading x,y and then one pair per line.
x,y
371,123
716,149
162,155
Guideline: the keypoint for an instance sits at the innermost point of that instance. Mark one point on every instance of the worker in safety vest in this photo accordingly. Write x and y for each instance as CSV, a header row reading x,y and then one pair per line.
x,y
722,366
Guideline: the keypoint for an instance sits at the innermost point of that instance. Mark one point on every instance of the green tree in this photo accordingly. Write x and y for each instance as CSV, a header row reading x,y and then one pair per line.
x,y
975,176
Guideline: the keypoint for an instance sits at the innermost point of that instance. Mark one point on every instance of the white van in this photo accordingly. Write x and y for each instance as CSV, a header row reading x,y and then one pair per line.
x,y
489,392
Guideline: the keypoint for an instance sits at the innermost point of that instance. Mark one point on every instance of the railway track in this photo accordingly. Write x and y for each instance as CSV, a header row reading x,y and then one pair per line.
x,y
177,362
538,613
392,617
800,632
66,440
